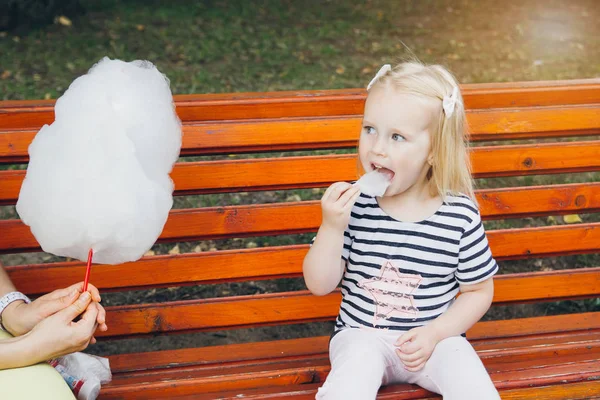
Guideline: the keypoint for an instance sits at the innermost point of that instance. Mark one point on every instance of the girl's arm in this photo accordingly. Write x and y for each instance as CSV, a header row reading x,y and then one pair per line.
x,y
323,266
466,310
415,346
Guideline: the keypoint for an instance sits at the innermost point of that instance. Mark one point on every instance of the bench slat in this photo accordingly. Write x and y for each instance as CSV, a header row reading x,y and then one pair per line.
x,y
505,373
257,310
310,347
282,218
560,391
34,114
342,132
318,171
264,263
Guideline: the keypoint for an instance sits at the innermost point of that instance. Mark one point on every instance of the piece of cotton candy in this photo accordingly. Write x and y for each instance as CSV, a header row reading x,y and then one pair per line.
x,y
373,183
98,177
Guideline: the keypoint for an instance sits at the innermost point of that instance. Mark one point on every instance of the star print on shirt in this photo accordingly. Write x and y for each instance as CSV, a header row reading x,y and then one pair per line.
x,y
392,291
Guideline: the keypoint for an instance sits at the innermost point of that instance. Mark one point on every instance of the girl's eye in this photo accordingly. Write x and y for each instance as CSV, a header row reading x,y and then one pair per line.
x,y
398,138
369,130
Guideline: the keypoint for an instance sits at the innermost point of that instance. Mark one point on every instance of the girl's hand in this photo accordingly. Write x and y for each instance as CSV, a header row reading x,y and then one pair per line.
x,y
19,318
58,334
336,204
415,347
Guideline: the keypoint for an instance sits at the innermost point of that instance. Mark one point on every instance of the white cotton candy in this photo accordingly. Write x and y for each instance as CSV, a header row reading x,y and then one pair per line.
x,y
98,177
373,183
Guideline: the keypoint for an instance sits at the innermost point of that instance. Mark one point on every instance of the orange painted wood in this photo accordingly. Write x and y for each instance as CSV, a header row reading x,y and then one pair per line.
x,y
541,286
319,171
181,269
283,218
538,325
549,158
33,114
275,308
584,390
535,370
341,132
286,261
507,375
534,201
244,376
230,354
512,244
219,313
317,347
194,384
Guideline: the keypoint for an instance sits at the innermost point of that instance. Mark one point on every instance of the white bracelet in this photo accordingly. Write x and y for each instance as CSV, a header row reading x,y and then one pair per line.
x,y
9,298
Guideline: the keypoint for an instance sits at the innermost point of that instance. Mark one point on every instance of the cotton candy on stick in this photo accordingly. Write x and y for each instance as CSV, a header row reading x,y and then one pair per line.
x,y
98,177
374,183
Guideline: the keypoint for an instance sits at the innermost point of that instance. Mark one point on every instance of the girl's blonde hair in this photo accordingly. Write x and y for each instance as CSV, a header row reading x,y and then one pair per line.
x,y
451,169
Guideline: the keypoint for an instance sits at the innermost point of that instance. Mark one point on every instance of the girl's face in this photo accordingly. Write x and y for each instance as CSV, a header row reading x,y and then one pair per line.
x,y
395,137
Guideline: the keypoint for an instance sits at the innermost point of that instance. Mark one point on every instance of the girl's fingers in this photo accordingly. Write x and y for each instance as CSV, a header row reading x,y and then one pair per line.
x,y
329,190
409,358
350,202
337,190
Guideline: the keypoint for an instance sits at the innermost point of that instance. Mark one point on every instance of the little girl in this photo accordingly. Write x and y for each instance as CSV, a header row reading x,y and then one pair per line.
x,y
405,256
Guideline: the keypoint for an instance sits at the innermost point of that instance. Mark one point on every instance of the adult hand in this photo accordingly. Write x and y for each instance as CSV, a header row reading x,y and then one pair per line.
x,y
59,334
19,318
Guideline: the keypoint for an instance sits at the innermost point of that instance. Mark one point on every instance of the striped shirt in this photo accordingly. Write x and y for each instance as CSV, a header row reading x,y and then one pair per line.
x,y
401,275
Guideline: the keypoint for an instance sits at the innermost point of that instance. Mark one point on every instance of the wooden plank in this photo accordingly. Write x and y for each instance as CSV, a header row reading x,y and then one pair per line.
x,y
585,390
505,374
285,261
220,313
175,270
224,176
534,325
546,286
34,114
277,308
219,356
343,132
304,217
317,347
549,158
535,201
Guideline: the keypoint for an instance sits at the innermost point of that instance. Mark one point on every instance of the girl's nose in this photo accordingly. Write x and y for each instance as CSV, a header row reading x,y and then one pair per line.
x,y
379,147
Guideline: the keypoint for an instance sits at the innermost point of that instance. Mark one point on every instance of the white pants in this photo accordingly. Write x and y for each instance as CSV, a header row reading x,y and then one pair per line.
x,y
362,360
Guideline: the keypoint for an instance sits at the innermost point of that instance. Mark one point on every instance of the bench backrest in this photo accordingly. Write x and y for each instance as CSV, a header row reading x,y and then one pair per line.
x,y
250,142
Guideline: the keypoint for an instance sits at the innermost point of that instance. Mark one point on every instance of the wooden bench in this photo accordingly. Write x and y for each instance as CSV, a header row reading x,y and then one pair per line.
x,y
548,356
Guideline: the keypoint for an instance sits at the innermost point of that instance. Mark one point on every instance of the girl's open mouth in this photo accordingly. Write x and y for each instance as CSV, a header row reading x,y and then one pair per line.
x,y
382,170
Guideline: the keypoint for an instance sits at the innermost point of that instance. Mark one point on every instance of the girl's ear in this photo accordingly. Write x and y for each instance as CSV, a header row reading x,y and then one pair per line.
x,y
430,159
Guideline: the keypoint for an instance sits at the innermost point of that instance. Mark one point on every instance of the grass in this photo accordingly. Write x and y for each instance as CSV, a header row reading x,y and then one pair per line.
x,y
237,46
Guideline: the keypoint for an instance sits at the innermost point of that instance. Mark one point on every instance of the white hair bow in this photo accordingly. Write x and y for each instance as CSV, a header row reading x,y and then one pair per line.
x,y
449,102
382,71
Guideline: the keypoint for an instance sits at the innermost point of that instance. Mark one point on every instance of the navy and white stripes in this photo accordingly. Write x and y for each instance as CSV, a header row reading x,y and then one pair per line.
x,y
395,268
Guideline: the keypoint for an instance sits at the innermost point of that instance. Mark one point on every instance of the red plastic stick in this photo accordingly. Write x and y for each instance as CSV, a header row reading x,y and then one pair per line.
x,y
87,271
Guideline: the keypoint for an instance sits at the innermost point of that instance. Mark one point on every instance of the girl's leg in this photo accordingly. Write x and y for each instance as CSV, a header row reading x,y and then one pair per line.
x,y
39,381
358,366
456,372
